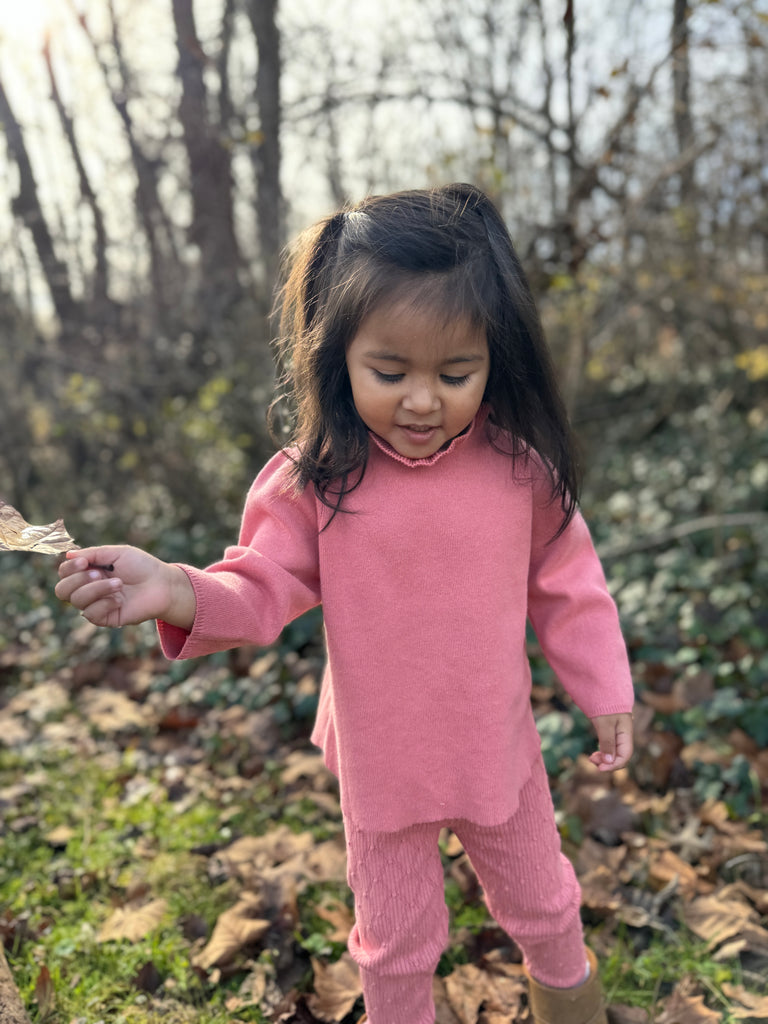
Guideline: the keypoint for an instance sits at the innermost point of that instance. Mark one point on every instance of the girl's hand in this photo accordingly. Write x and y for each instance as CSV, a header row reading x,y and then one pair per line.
x,y
120,586
615,739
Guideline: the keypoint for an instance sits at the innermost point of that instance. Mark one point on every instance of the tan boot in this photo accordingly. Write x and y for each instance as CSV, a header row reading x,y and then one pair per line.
x,y
582,1004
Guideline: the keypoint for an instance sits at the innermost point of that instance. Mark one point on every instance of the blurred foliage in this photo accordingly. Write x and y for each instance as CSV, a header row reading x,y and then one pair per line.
x,y
135,346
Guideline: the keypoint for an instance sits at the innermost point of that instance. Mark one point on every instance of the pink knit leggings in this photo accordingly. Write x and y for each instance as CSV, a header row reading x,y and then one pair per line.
x,y
401,924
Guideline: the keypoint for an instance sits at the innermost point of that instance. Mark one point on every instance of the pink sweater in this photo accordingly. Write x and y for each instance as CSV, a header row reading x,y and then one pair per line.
x,y
425,585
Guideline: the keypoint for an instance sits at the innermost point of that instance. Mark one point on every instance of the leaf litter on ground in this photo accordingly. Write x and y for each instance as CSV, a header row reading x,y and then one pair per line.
x,y
284,883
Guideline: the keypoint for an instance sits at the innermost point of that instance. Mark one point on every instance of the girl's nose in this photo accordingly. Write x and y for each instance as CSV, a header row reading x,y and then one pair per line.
x,y
421,398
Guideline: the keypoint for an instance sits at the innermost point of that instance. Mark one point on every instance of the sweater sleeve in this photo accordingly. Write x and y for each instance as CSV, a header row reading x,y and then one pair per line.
x,y
573,614
265,581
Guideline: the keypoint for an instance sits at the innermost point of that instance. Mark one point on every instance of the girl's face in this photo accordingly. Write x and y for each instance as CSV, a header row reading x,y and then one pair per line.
x,y
417,379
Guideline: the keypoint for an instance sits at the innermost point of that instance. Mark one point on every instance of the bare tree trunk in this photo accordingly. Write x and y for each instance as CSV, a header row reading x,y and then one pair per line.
x,y
266,154
546,106
101,276
334,164
681,85
569,21
26,206
226,106
576,354
211,182
164,260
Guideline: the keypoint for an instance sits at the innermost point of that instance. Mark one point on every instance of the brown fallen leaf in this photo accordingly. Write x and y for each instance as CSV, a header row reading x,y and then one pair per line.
x,y
133,923
753,1006
238,927
13,732
16,534
718,920
339,916
246,858
60,836
40,702
111,712
752,938
300,764
665,866
685,1006
45,993
259,989
469,988
337,988
741,890
443,1011
600,891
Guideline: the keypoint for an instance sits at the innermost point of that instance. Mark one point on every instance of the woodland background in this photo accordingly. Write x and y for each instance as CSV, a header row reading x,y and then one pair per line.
x,y
157,155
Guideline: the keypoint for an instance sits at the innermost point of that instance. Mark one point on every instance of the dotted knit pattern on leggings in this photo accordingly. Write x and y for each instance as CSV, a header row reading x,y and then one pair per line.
x,y
402,922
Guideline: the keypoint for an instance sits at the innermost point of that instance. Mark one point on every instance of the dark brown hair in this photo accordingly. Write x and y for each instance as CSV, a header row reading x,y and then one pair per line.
x,y
449,248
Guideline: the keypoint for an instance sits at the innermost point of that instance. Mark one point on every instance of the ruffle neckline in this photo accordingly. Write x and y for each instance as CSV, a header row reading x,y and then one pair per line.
x,y
430,460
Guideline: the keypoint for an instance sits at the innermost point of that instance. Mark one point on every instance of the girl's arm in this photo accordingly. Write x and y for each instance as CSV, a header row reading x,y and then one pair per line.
x,y
269,578
577,625
136,587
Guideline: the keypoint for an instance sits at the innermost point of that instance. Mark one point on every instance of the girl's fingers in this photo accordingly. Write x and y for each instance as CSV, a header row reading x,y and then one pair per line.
x,y
624,746
100,560
105,612
98,556
73,564
83,589
614,735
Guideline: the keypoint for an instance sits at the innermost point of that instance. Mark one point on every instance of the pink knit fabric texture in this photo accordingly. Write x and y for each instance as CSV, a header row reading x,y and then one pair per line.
x,y
401,924
426,582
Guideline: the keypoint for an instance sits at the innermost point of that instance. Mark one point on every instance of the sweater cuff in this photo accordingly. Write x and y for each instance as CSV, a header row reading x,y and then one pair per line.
x,y
173,640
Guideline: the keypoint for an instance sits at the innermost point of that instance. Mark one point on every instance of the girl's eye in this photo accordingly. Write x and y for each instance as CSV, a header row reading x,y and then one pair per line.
x,y
388,378
455,381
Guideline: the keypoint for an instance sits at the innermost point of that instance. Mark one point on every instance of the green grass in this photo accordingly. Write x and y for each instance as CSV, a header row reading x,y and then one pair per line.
x,y
643,978
63,896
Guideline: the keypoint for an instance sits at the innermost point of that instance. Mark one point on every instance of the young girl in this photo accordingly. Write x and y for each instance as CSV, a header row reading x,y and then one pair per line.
x,y
428,500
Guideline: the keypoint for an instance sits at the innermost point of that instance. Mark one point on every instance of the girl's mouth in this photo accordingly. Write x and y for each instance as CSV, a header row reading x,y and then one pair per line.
x,y
418,434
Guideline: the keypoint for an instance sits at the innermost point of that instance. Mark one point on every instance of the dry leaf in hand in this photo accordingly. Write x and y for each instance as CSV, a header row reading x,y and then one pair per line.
x,y
16,534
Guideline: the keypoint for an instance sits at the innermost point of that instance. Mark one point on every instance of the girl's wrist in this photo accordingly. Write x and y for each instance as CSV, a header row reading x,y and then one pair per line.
x,y
182,603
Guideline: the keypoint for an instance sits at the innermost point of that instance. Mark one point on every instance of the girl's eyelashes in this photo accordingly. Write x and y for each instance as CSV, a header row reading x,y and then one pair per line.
x,y
393,378
388,378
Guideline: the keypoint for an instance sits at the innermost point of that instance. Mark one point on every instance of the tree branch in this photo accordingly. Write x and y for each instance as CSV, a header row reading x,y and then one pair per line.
x,y
703,524
101,280
26,206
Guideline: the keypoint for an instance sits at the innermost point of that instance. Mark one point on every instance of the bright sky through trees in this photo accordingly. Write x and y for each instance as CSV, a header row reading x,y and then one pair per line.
x,y
26,23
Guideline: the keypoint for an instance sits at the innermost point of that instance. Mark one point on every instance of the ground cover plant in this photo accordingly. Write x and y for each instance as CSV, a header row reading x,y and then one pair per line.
x,y
172,847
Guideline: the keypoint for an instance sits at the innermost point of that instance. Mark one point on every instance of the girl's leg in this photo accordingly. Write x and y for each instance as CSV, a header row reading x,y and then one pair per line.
x,y
530,886
401,923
